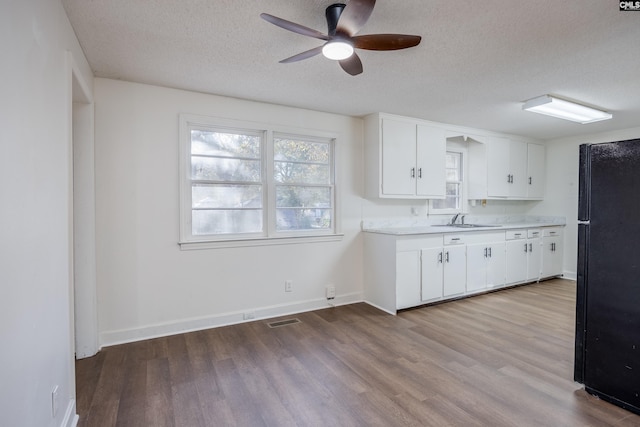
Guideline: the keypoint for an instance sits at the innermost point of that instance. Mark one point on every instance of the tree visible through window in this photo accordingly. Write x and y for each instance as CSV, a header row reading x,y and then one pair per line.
x,y
302,173
226,178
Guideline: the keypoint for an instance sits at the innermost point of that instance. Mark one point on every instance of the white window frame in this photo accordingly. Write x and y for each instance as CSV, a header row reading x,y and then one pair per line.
x,y
269,235
464,203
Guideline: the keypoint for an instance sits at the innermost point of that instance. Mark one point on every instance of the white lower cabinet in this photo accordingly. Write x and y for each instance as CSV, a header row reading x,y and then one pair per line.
x,y
486,262
443,272
408,279
403,271
551,252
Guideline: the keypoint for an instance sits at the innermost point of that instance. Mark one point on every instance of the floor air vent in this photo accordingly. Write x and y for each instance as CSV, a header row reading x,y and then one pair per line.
x,y
283,323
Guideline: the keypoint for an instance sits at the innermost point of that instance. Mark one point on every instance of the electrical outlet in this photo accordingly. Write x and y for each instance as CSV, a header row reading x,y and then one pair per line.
x,y
54,402
331,291
288,286
249,315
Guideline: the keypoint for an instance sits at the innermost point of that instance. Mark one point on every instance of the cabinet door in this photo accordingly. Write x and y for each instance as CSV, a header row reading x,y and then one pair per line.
x,y
407,279
517,257
431,155
498,170
398,158
496,265
477,267
536,171
432,274
534,259
551,256
455,271
518,169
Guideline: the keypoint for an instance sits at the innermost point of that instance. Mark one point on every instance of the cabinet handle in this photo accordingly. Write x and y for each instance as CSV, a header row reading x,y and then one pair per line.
x,y
530,247
509,179
446,258
530,180
419,172
489,252
526,247
485,252
440,258
413,172
553,247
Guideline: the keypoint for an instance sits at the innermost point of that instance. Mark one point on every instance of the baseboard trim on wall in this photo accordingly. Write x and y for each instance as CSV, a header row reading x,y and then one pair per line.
x,y
70,417
109,338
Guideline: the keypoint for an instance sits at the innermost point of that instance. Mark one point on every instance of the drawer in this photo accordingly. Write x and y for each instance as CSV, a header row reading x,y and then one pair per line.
x,y
516,234
550,232
533,233
454,239
413,243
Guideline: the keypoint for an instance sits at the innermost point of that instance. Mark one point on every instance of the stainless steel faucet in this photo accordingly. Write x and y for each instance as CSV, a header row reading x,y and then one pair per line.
x,y
462,219
454,219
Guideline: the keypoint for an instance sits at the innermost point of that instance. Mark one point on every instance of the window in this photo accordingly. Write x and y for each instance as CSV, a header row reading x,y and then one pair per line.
x,y
242,182
454,196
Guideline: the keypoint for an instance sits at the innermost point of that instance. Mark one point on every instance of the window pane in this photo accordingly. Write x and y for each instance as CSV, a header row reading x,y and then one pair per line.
x,y
224,169
453,189
452,175
225,144
226,221
303,219
301,173
226,196
288,196
301,151
447,203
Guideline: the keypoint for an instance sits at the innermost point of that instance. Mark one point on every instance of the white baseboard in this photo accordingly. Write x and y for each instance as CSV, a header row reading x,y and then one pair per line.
x,y
70,417
109,338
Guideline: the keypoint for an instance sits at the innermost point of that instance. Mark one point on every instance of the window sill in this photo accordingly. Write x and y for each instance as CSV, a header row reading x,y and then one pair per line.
x,y
239,243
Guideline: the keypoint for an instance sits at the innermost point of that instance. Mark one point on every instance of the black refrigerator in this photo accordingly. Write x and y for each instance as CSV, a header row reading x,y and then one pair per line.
x,y
607,345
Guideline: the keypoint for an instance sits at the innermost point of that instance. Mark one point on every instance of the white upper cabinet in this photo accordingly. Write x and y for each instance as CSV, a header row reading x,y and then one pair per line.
x,y
405,158
506,169
536,171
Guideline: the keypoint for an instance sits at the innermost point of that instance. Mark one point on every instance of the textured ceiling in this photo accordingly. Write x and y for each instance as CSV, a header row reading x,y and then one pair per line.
x,y
478,60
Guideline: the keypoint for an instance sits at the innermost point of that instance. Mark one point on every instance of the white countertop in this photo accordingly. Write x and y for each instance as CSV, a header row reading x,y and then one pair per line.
x,y
402,227
399,231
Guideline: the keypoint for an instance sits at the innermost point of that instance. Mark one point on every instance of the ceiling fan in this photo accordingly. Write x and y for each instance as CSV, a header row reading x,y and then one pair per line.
x,y
343,22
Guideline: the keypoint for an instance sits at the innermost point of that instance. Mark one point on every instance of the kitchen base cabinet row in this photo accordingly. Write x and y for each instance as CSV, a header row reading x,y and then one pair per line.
x,y
412,270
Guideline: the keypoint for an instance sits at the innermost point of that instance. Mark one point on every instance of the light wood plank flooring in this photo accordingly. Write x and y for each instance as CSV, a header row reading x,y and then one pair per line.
x,y
499,359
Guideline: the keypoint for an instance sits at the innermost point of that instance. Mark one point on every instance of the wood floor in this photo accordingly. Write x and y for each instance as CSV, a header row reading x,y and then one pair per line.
x,y
500,359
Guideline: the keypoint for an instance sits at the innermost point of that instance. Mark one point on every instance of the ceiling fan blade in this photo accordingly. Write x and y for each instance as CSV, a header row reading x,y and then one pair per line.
x,y
385,41
352,65
355,14
303,55
292,26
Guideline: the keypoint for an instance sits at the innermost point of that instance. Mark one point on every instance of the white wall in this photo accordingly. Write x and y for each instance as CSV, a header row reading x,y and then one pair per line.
x,y
561,196
35,174
147,286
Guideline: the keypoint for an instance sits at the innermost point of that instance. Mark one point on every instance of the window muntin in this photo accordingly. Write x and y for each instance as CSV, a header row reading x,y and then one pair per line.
x,y
250,182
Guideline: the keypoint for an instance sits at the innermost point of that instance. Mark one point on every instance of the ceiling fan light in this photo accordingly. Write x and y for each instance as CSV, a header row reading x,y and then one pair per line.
x,y
337,50
562,109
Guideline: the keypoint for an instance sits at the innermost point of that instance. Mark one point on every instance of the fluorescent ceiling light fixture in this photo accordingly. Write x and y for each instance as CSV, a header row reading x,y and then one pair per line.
x,y
555,107
337,50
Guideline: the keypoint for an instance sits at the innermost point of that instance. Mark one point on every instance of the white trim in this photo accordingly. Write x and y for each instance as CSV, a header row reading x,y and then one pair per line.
x,y
238,243
70,417
109,338
269,235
